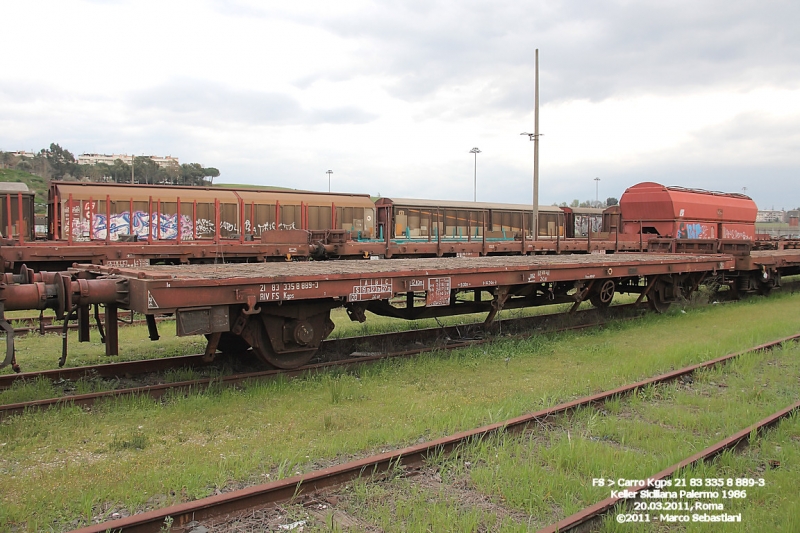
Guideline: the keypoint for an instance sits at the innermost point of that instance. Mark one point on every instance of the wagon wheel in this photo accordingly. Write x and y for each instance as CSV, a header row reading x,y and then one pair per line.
x,y
603,296
764,288
764,283
285,361
656,302
286,342
230,343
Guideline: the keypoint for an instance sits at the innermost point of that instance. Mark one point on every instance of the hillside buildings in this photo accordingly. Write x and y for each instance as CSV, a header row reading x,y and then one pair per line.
x,y
93,159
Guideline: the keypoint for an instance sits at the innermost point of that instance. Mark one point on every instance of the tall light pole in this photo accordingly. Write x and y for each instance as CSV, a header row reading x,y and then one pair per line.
x,y
329,172
535,138
597,192
475,151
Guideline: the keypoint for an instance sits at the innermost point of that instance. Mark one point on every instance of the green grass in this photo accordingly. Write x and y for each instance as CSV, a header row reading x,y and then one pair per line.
x,y
251,186
35,183
36,352
63,467
761,226
544,475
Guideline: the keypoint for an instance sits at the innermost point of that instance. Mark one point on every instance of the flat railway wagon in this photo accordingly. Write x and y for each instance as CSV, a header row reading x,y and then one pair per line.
x,y
282,310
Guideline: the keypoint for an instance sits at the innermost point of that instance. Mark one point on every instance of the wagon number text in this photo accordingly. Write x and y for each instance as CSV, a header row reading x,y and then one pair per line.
x,y
284,291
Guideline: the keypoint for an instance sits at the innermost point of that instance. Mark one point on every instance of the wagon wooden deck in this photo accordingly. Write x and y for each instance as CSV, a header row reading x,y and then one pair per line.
x,y
166,288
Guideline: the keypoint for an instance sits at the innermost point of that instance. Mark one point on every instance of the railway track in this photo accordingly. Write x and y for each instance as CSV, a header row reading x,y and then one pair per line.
x,y
337,347
585,518
45,324
337,353
414,456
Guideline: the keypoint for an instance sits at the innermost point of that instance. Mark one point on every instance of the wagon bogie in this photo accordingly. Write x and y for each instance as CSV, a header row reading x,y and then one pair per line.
x,y
288,336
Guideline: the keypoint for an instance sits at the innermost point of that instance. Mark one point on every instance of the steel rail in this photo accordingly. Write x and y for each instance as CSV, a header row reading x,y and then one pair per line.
x,y
584,518
159,390
286,489
106,370
46,324
330,346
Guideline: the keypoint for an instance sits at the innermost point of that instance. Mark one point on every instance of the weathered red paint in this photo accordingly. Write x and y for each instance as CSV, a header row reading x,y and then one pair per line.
x,y
681,213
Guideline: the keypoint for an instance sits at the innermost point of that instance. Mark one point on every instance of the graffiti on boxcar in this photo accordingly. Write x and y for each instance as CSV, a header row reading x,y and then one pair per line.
x,y
205,226
695,230
735,234
258,229
583,222
227,226
162,226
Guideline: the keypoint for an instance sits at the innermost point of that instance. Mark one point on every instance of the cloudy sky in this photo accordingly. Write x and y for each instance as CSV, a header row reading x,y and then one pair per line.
x,y
392,96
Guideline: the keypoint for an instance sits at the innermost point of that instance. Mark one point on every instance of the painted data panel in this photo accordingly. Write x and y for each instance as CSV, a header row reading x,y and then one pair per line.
x,y
438,293
371,289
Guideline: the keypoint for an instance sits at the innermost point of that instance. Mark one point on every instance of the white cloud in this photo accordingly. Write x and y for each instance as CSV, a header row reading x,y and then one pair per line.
x,y
392,95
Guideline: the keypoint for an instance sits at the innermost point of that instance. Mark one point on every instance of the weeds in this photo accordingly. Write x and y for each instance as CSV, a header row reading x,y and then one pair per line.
x,y
135,440
336,389
394,402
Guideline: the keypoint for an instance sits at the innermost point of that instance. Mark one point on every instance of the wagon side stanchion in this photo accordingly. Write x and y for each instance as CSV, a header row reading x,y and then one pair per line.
x,y
483,234
108,219
178,221
216,221
20,223
150,221
70,221
9,232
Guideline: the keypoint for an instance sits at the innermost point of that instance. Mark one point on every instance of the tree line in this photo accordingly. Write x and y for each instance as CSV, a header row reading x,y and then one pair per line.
x,y
59,163
589,203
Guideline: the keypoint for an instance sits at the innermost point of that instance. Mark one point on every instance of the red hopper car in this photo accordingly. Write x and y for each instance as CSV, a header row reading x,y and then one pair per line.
x,y
679,213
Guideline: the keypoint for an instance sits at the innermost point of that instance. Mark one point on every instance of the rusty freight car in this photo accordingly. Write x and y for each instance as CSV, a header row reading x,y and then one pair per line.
x,y
414,218
127,225
681,213
99,212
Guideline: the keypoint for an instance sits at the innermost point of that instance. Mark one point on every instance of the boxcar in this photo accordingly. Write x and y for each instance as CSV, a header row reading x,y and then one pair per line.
x,y
412,218
581,220
16,211
130,212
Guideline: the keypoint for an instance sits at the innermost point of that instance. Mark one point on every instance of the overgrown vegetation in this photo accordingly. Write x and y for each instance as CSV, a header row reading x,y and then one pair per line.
x,y
60,468
35,183
59,163
521,482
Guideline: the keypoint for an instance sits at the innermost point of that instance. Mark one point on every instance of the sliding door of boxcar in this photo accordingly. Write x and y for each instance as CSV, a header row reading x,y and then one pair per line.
x,y
319,217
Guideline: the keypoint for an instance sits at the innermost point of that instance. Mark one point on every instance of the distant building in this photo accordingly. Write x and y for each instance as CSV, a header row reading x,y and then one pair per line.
x,y
24,154
93,159
771,216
